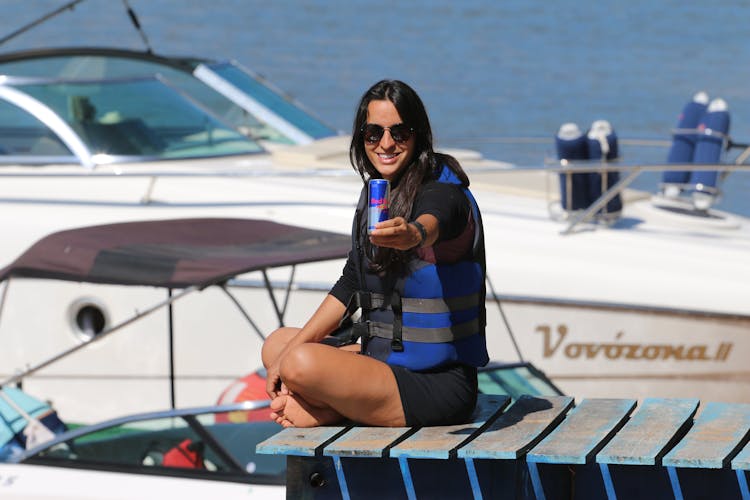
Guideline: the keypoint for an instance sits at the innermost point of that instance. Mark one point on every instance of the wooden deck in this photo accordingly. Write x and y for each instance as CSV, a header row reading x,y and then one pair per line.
x,y
539,447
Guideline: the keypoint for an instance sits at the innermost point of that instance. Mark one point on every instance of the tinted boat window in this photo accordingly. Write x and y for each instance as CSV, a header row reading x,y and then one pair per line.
x,y
21,134
137,444
239,440
224,448
78,67
143,117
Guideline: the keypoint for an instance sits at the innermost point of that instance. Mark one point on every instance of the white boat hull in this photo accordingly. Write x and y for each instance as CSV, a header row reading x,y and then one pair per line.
x,y
629,352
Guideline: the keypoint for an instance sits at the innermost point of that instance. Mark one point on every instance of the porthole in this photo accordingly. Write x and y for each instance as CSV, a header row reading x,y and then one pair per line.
x,y
87,318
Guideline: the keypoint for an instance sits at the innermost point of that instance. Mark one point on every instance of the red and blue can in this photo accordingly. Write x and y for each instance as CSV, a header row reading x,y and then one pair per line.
x,y
379,191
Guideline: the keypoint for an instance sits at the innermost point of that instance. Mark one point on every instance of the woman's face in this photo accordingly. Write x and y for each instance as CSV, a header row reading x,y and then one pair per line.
x,y
387,155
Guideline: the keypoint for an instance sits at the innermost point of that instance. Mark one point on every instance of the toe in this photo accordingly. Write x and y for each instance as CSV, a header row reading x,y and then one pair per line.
x,y
278,403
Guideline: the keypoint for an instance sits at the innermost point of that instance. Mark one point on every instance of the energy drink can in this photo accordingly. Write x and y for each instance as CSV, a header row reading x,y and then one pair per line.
x,y
379,191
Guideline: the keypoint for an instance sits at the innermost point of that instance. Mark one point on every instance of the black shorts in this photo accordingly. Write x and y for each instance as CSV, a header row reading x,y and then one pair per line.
x,y
443,396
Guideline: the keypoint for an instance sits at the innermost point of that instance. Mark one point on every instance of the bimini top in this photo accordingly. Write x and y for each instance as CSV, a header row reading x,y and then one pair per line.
x,y
175,253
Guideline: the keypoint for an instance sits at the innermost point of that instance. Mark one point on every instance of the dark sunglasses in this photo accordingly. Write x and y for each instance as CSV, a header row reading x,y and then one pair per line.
x,y
399,132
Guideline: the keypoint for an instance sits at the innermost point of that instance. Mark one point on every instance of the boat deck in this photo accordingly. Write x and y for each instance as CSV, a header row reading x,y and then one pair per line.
x,y
541,447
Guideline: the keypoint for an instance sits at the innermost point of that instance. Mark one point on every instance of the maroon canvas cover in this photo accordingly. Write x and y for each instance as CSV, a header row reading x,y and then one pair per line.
x,y
174,253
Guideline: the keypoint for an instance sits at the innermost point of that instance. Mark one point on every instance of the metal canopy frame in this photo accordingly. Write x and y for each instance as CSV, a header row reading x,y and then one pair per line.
x,y
166,303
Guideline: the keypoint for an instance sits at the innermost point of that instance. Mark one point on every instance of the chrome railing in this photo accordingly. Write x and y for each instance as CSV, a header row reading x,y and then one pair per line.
x,y
630,173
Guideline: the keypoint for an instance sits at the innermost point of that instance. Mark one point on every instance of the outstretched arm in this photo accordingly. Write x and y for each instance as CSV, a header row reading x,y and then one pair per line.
x,y
400,234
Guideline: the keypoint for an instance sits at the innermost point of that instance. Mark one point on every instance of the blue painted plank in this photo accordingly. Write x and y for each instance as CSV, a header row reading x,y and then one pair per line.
x,y
411,492
742,481
365,442
298,441
471,471
518,429
609,486
675,481
742,460
583,432
441,441
341,477
536,481
718,432
649,433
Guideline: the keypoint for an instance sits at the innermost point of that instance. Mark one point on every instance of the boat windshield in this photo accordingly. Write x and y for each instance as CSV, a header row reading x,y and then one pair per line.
x,y
234,94
123,118
273,99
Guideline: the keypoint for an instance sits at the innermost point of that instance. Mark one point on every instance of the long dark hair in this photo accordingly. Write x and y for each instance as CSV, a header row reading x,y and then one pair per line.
x,y
425,164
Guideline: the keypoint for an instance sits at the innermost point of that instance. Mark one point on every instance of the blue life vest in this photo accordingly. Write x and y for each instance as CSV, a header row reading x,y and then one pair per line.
x,y
432,316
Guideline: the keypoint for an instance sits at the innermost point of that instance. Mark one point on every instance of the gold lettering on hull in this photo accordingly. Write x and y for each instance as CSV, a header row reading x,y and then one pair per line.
x,y
557,343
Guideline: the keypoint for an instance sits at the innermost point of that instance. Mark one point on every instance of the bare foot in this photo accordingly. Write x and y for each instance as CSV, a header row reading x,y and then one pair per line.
x,y
277,405
292,411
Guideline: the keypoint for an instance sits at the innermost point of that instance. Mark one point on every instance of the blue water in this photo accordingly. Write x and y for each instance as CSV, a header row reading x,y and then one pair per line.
x,y
498,77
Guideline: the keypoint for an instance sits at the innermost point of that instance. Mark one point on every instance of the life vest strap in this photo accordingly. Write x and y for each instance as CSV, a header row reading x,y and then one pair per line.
x,y
397,344
440,305
367,301
370,301
424,335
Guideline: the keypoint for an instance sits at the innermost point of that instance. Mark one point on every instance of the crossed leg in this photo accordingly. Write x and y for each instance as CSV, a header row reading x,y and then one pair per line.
x,y
325,385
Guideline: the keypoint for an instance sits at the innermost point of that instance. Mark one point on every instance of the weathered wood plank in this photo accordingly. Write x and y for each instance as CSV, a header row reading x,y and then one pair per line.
x,y
518,429
719,430
307,442
583,432
645,439
441,441
742,460
365,442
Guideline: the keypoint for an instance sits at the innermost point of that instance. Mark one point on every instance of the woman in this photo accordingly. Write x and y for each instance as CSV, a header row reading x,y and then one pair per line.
x,y
418,279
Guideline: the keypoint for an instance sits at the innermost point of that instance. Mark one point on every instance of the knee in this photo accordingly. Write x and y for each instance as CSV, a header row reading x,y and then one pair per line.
x,y
298,366
274,343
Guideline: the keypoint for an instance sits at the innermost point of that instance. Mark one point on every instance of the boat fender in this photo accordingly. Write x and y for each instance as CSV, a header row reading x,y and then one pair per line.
x,y
709,147
683,144
603,147
572,145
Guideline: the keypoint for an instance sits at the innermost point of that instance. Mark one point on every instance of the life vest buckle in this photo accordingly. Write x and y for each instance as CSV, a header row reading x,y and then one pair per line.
x,y
397,345
361,329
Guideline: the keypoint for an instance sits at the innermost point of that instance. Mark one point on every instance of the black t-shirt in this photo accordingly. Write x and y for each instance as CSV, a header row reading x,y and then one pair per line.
x,y
449,205
446,202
